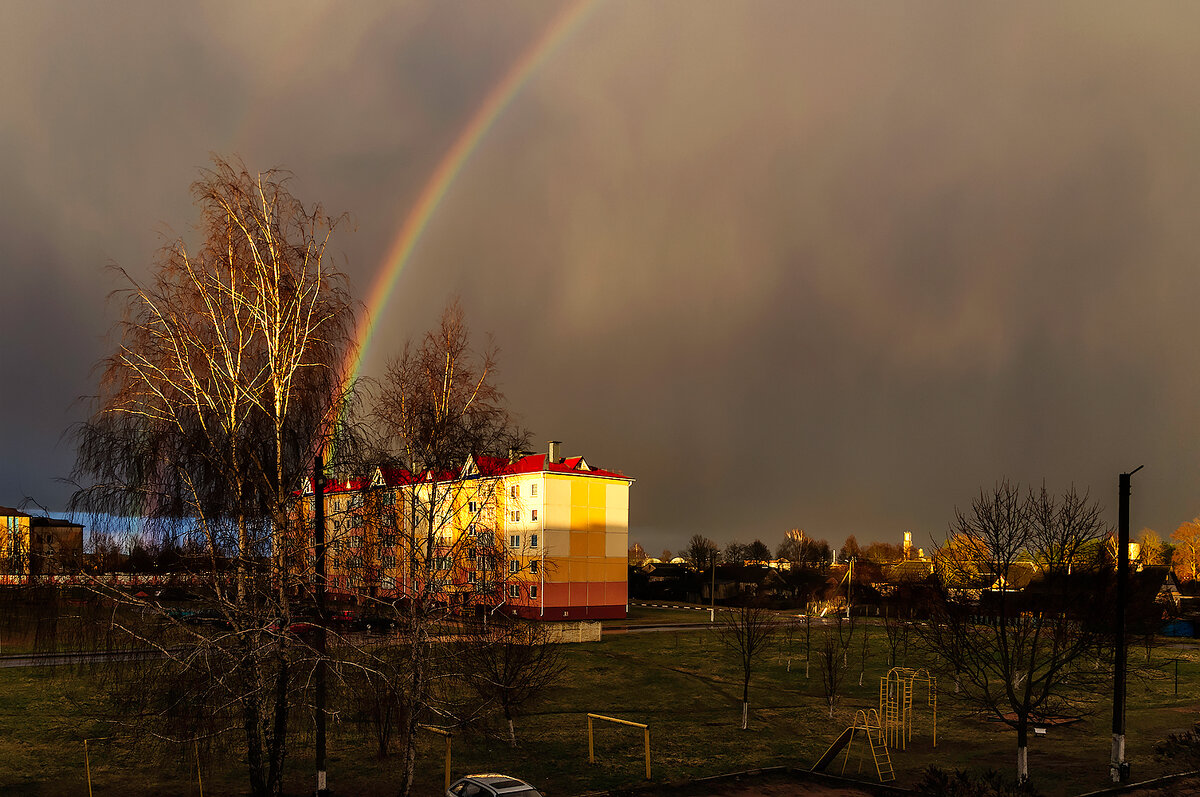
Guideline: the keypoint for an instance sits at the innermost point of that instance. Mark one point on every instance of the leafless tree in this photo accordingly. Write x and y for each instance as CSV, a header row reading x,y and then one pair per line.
x,y
747,630
509,662
864,651
897,628
1013,650
806,623
1186,556
701,551
441,410
836,636
226,381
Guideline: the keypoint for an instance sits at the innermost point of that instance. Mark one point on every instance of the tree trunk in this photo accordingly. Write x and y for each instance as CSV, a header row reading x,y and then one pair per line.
x,y
512,733
1023,751
745,714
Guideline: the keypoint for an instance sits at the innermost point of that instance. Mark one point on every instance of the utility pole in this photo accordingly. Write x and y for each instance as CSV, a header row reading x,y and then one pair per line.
x,y
322,615
1118,767
712,612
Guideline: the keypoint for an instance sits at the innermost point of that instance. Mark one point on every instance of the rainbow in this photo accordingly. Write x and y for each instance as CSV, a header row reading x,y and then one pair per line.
x,y
451,165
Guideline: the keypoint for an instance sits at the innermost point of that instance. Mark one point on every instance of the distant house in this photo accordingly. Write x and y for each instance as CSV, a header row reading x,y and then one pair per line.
x,y
32,546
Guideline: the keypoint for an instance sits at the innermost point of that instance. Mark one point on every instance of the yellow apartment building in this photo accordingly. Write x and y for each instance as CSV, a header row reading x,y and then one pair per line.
x,y
539,536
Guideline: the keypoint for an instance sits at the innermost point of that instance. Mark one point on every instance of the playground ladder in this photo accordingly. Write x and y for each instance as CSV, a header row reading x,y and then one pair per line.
x,y
906,715
883,759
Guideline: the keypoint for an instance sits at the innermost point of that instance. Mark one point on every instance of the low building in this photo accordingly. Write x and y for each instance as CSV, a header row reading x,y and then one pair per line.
x,y
33,546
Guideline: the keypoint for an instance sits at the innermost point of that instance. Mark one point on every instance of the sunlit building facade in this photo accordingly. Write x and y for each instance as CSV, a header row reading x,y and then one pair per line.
x,y
539,536
33,546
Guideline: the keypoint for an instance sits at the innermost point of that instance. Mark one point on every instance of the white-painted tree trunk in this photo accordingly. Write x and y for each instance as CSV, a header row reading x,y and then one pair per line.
x,y
1022,764
745,715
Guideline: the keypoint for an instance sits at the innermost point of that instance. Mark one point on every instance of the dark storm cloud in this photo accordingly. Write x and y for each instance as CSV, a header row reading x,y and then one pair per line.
x,y
787,264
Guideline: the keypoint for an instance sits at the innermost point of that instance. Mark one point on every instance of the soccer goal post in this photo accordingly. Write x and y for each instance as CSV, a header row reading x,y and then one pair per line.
x,y
592,746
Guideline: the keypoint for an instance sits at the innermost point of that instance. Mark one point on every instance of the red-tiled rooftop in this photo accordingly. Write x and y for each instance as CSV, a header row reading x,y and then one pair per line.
x,y
483,466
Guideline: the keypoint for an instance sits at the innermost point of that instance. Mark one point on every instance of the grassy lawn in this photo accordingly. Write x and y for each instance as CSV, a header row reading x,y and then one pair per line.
x,y
683,684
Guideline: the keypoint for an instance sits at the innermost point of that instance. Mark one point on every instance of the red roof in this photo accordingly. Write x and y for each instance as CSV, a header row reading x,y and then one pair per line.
x,y
484,466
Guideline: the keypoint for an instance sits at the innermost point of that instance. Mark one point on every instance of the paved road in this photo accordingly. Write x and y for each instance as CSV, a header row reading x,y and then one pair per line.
x,y
61,659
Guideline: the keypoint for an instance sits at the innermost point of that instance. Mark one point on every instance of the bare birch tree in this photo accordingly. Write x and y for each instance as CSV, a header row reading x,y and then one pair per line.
x,y
441,409
832,657
1015,652
747,630
224,385
508,663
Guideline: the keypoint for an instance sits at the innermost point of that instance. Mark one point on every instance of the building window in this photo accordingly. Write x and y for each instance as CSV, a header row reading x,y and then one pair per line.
x,y
471,577
533,566
515,517
534,515
533,490
533,590
514,566
472,507
514,590
514,491
514,541
532,540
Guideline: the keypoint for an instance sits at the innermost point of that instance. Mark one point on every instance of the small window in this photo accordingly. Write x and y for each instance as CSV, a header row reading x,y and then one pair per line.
x,y
533,566
533,489
533,590
515,517
514,566
514,491
472,507
514,590
471,577
534,515
532,540
514,541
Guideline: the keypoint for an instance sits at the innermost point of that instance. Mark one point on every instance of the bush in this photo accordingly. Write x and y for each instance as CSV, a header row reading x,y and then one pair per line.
x,y
937,782
1182,748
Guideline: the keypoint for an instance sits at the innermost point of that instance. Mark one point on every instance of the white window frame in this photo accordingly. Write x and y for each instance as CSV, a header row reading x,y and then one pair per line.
x,y
514,590
533,589
514,566
514,540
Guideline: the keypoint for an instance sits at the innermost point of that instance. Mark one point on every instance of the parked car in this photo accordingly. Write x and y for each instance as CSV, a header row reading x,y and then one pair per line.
x,y
491,786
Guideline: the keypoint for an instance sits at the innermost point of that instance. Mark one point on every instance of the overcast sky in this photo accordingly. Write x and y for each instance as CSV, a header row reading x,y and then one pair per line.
x,y
801,264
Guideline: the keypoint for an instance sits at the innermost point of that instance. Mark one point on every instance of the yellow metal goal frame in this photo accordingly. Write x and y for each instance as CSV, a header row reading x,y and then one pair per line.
x,y
592,747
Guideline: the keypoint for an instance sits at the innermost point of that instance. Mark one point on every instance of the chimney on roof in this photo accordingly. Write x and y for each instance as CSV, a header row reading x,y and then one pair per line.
x,y
552,455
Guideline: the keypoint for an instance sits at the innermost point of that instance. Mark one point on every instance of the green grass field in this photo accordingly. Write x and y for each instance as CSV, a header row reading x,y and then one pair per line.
x,y
682,683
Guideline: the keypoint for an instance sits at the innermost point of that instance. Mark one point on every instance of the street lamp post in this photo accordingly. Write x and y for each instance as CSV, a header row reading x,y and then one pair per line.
x,y
1118,767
